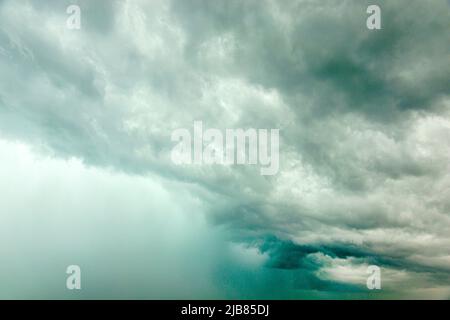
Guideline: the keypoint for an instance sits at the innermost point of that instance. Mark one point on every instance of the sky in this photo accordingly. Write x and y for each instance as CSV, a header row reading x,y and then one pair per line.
x,y
86,176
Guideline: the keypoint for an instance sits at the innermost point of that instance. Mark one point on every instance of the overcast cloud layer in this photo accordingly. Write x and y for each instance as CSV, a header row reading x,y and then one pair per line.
x,y
86,118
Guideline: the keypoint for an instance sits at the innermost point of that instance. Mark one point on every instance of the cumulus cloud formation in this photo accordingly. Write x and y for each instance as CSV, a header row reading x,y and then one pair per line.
x,y
363,115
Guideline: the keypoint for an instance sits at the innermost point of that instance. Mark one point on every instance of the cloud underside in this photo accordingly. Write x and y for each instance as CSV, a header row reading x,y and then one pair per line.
x,y
363,116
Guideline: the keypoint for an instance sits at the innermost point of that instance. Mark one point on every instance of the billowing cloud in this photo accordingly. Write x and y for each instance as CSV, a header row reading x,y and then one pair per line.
x,y
363,117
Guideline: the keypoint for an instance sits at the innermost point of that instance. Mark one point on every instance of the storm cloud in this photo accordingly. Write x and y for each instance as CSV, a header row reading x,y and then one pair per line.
x,y
364,125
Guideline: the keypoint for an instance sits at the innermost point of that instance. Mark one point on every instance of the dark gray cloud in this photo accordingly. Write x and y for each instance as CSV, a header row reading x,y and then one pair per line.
x,y
363,116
